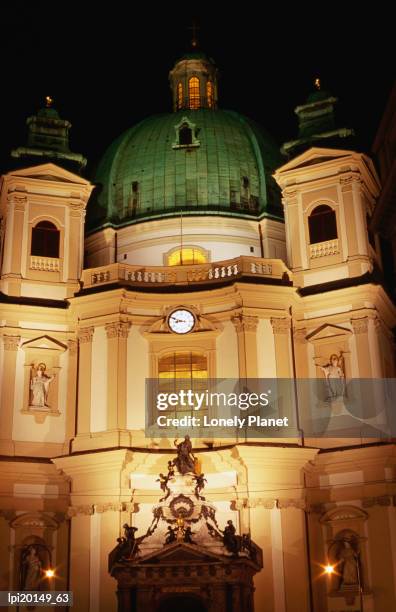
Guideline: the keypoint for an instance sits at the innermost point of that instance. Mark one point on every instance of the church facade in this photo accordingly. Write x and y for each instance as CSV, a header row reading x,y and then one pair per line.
x,y
276,267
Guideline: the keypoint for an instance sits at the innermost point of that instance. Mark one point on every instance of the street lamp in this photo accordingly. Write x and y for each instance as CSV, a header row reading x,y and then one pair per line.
x,y
49,573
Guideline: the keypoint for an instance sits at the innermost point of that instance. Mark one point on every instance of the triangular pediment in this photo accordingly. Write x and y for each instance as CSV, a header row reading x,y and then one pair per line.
x,y
328,331
314,155
44,343
182,553
50,172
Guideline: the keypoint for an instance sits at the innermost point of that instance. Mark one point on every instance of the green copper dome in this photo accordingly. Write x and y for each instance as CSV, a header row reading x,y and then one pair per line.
x,y
224,167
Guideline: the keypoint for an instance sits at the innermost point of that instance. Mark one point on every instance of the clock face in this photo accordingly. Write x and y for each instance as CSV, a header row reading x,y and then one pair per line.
x,y
181,321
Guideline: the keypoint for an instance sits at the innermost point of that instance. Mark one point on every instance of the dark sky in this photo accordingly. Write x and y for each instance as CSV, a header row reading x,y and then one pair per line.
x,y
107,65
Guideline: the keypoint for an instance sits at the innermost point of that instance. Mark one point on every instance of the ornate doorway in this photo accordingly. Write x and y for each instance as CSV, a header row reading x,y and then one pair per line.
x,y
181,603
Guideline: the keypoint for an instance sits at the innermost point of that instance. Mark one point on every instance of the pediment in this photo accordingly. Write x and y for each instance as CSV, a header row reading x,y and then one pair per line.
x,y
50,172
328,331
344,513
314,155
44,343
182,553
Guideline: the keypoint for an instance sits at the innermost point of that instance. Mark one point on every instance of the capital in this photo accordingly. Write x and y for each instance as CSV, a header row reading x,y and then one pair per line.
x,y
359,326
85,334
11,343
118,329
245,323
280,326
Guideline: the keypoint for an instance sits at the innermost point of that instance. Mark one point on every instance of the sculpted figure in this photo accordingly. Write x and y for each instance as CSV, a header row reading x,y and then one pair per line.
x,y
39,386
334,375
31,569
185,458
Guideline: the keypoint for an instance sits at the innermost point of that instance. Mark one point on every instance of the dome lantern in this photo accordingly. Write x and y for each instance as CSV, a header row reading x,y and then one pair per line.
x,y
193,81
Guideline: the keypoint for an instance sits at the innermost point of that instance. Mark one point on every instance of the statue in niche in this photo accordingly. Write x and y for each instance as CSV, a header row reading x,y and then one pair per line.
x,y
334,375
31,569
349,560
39,386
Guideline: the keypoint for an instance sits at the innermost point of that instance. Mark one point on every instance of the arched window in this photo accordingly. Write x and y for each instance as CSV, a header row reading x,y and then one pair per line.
x,y
45,240
193,92
209,94
179,95
187,256
183,370
322,224
185,135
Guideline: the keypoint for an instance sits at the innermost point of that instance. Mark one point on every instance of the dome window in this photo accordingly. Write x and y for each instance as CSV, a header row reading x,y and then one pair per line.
x,y
193,93
187,256
209,94
185,135
45,240
322,224
179,96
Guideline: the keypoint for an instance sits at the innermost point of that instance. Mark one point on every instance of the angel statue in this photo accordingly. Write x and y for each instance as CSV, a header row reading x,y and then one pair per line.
x,y
39,386
334,375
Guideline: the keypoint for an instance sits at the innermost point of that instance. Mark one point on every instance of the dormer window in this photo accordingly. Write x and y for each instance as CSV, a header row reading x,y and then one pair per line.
x,y
186,135
193,93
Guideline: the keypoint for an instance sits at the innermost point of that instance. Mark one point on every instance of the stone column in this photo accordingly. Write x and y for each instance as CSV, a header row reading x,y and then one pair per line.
x,y
19,207
246,328
360,330
85,336
11,344
80,561
71,394
281,328
295,556
117,335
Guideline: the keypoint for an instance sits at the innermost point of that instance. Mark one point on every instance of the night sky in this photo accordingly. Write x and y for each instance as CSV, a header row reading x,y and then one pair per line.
x,y
107,65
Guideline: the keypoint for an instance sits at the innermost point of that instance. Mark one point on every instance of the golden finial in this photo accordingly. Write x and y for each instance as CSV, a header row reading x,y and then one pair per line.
x,y
49,101
317,83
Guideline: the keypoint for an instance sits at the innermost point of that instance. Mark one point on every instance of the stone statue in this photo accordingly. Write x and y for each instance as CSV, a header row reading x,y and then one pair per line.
x,y
171,535
188,535
171,469
231,541
334,375
31,569
129,533
349,564
163,480
39,386
185,458
199,485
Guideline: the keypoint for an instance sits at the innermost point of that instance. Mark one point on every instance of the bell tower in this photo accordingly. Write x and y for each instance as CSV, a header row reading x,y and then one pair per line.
x,y
42,211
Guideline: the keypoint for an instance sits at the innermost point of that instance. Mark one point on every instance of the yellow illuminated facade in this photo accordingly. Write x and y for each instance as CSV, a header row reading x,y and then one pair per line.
x,y
282,288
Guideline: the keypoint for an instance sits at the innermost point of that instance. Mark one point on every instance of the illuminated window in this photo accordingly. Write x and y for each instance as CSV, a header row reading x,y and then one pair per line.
x,y
45,240
179,95
187,256
193,92
322,224
209,94
182,370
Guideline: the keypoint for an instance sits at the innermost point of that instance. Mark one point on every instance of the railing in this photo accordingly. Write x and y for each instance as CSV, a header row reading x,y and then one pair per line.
x,y
210,273
44,264
323,249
